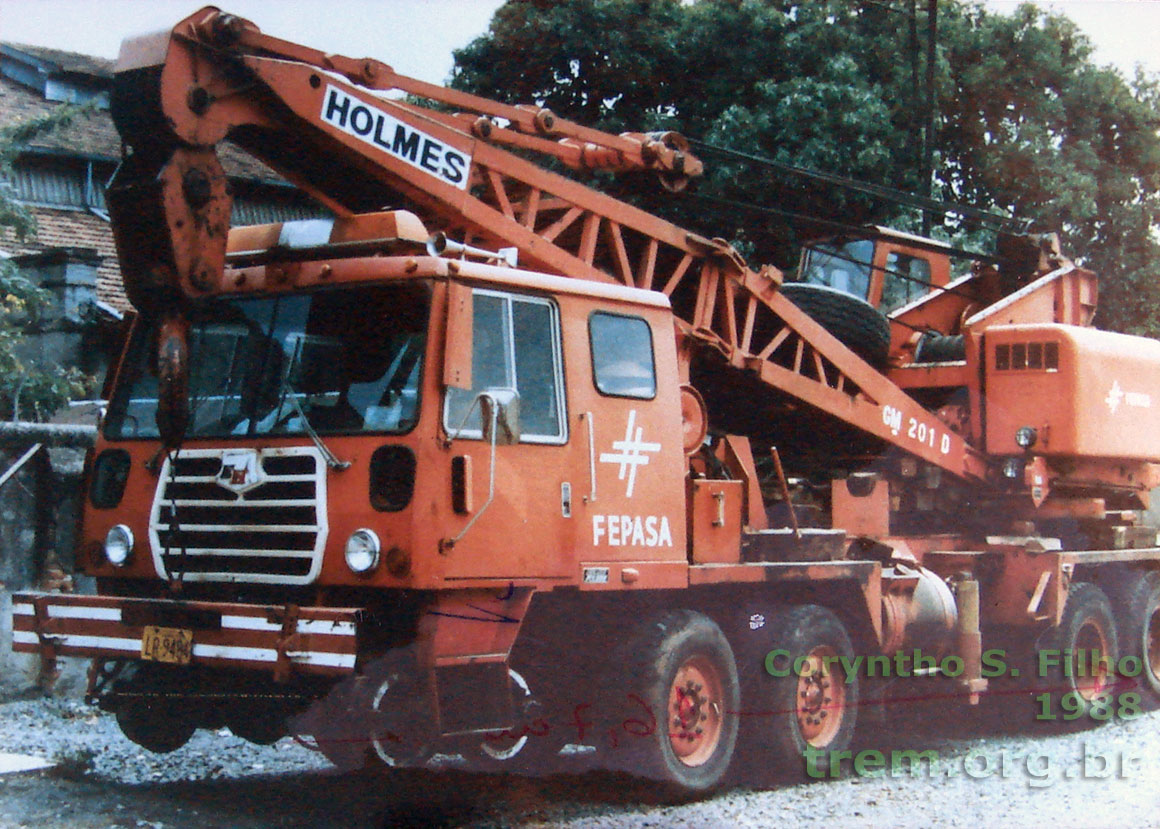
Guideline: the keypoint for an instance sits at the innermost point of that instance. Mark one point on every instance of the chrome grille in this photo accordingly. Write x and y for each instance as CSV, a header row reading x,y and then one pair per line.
x,y
212,522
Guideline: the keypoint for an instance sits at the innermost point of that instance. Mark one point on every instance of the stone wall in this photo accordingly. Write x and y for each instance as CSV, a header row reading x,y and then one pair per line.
x,y
39,506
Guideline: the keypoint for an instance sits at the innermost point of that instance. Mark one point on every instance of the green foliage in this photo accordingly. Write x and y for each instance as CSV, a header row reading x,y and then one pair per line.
x,y
27,391
1025,122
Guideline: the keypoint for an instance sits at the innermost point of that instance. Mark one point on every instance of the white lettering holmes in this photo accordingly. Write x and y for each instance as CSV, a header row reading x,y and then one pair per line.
x,y
390,135
631,531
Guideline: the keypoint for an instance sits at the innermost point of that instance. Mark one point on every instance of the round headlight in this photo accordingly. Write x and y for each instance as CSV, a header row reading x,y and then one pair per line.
x,y
119,545
1025,436
362,551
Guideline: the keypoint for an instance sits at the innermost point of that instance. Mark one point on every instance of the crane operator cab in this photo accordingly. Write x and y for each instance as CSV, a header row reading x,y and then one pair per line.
x,y
854,284
886,268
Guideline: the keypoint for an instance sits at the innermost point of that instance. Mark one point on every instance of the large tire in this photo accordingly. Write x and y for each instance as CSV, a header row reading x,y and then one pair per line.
x,y
1087,625
532,745
157,726
806,716
1137,603
854,322
397,736
376,719
674,714
150,712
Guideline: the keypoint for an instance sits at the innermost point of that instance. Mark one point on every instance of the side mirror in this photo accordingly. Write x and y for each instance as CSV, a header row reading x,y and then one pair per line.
x,y
500,409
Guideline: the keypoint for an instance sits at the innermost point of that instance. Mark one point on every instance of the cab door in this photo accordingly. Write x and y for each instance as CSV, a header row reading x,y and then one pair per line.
x,y
628,421
516,346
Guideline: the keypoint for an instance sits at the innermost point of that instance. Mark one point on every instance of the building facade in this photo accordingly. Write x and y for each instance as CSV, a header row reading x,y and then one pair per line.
x,y
61,177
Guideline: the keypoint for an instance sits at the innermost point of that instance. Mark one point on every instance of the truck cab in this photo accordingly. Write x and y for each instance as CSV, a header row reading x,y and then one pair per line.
x,y
357,405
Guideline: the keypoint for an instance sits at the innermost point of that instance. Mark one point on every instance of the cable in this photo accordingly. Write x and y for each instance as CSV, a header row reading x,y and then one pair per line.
x,y
897,196
777,211
845,228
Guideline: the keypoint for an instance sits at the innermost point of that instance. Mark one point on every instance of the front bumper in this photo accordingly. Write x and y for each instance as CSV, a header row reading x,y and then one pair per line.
x,y
283,640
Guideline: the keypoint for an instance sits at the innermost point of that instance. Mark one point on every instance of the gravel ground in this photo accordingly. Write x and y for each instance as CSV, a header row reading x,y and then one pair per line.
x,y
985,776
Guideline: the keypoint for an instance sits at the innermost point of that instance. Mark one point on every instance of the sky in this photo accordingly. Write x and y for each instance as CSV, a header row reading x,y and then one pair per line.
x,y
416,37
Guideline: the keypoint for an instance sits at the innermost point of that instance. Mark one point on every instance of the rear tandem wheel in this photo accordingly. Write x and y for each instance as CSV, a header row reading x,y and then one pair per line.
x,y
682,674
1076,658
1136,602
807,711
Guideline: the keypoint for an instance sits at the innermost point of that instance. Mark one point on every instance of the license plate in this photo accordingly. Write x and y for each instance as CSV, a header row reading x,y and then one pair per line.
x,y
173,645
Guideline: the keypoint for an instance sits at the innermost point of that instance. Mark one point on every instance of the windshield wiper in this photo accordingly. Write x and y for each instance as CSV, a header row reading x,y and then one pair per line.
x,y
331,460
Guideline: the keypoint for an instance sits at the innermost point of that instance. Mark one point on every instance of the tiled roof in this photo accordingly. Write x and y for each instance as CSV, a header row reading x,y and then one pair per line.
x,y
94,135
72,62
91,136
73,229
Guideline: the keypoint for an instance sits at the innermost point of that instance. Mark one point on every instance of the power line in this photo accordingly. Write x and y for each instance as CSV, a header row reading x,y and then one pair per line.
x,y
897,196
854,230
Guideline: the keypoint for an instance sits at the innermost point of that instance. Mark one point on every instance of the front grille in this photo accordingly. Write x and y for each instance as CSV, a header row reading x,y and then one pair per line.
x,y
240,516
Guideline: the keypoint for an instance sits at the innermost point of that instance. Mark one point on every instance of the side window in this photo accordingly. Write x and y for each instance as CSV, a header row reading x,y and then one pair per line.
x,y
907,278
622,356
516,345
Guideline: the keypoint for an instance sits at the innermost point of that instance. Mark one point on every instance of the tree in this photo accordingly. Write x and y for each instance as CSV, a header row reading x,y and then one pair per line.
x,y
1026,123
27,391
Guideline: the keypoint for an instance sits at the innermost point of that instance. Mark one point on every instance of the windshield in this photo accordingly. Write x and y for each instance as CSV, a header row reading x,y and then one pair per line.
x,y
843,266
346,360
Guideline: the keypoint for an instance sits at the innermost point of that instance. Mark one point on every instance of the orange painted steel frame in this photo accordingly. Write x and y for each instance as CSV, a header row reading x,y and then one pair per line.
x,y
304,113
610,506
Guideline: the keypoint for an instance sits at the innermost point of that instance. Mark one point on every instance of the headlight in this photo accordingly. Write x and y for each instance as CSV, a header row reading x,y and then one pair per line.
x,y
1026,436
119,545
362,551
1013,468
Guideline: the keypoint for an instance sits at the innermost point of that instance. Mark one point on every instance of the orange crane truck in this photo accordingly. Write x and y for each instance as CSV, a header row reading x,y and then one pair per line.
x,y
491,463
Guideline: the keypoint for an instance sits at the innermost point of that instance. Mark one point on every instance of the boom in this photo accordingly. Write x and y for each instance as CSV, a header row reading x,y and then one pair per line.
x,y
329,125
410,505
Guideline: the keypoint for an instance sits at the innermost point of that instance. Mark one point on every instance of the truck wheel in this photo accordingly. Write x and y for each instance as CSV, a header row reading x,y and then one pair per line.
x,y
530,745
499,748
150,710
812,708
1087,627
262,728
158,725
1138,628
681,702
397,738
854,322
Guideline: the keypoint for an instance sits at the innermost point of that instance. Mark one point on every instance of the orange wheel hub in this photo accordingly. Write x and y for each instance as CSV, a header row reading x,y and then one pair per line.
x,y
820,701
1092,638
695,711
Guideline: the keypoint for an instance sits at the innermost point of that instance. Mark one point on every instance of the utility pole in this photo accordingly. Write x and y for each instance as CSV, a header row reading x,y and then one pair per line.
x,y
927,169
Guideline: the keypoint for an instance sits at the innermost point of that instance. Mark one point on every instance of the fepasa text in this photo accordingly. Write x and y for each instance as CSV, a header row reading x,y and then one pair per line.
x,y
631,531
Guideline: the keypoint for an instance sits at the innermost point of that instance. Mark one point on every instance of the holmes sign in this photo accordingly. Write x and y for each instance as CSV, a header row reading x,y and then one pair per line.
x,y
395,138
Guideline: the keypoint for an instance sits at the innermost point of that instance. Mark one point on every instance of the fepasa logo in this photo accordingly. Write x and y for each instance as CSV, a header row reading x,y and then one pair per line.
x,y
630,452
392,136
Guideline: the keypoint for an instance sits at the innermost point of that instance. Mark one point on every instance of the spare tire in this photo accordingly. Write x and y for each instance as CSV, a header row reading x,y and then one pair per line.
x,y
853,321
